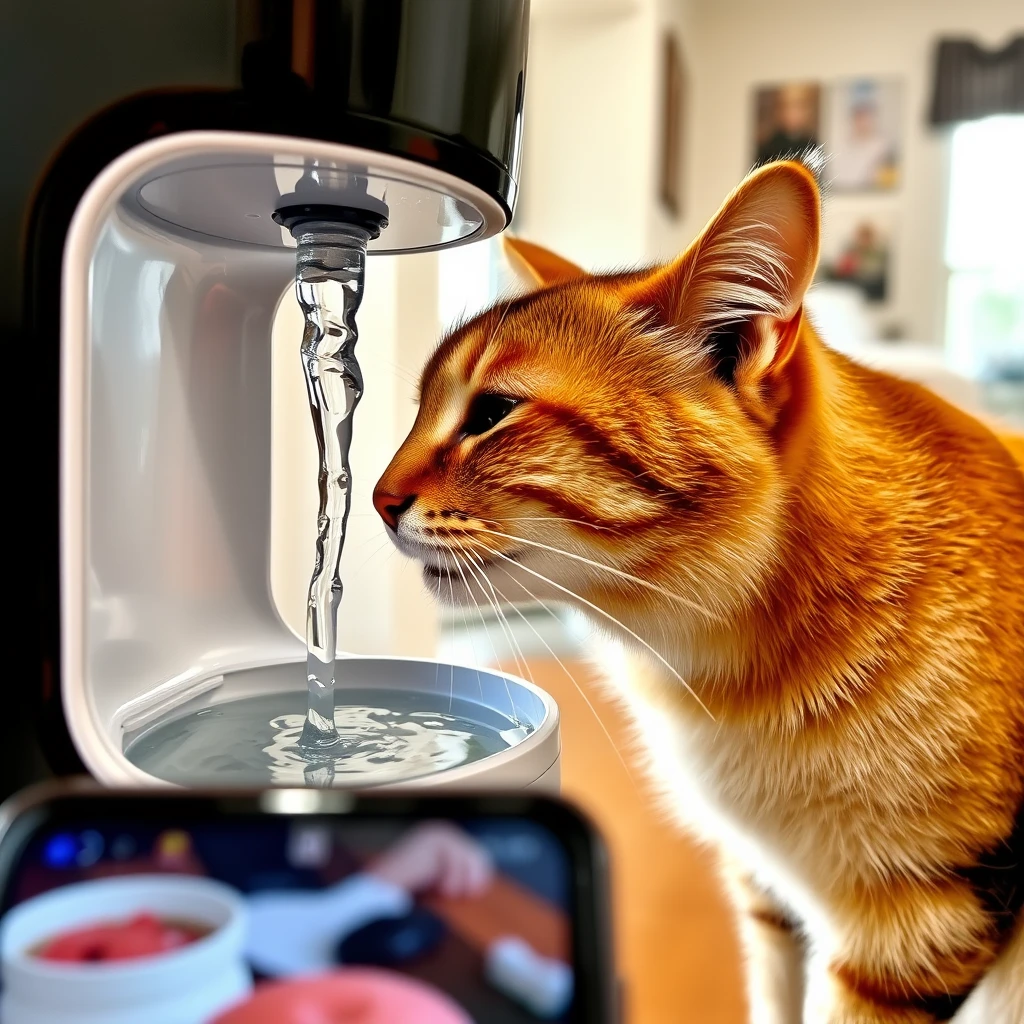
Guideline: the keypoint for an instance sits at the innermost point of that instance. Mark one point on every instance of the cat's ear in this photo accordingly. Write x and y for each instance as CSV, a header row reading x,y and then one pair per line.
x,y
736,295
539,266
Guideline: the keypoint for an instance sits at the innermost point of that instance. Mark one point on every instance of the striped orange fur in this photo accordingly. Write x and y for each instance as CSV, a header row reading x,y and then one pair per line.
x,y
818,570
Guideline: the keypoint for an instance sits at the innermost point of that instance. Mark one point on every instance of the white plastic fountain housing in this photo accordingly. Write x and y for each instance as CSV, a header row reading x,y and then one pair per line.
x,y
169,267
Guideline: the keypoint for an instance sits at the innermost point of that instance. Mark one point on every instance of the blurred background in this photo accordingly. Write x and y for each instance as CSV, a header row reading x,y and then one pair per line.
x,y
641,116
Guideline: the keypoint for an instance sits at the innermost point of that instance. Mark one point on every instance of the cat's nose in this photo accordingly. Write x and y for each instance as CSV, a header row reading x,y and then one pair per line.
x,y
391,506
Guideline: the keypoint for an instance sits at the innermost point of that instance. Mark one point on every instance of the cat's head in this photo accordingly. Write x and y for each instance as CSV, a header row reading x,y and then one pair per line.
x,y
618,437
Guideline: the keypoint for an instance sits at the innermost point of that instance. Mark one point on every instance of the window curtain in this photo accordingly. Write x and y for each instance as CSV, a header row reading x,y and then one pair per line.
x,y
972,82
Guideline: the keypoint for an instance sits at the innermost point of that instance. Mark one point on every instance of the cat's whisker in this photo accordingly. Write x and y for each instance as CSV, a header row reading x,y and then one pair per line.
x,y
497,660
465,619
693,605
521,659
561,665
373,554
611,618
451,667
437,665
402,373
544,519
522,668
479,610
475,573
501,320
517,651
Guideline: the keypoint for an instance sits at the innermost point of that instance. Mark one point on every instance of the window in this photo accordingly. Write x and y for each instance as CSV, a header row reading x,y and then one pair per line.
x,y
985,254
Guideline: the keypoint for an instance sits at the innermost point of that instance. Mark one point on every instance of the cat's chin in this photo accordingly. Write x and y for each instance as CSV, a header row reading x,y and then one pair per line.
x,y
434,574
460,583
447,586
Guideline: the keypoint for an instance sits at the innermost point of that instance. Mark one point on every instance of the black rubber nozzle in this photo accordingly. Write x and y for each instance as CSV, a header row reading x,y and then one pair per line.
x,y
293,217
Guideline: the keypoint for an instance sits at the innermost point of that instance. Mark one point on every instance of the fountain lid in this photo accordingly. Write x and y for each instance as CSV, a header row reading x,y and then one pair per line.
x,y
251,201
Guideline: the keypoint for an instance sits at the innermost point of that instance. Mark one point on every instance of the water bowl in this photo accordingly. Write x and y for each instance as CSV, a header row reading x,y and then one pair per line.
x,y
404,723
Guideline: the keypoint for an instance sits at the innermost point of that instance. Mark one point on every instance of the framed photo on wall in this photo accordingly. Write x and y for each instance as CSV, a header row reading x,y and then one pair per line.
x,y
863,134
670,185
856,250
787,120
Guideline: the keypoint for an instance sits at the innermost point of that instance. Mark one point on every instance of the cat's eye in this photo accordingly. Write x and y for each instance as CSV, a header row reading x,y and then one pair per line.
x,y
486,411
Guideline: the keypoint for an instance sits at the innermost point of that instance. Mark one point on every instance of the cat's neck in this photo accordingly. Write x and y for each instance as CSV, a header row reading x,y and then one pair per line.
x,y
862,485
842,546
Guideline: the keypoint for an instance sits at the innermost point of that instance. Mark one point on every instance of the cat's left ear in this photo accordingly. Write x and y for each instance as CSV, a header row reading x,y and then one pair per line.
x,y
539,266
735,297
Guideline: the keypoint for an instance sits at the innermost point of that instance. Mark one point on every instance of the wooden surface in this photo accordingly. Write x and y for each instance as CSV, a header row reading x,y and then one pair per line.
x,y
675,937
507,908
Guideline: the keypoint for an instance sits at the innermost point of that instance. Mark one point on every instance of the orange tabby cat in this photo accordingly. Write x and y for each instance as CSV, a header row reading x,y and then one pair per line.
x,y
819,567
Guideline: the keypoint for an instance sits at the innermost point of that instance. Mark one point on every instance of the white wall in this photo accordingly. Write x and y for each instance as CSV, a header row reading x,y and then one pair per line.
x,y
738,44
593,120
667,235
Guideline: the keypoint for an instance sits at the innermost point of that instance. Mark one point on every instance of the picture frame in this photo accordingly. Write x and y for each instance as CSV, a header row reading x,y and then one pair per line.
x,y
670,178
857,250
863,134
787,120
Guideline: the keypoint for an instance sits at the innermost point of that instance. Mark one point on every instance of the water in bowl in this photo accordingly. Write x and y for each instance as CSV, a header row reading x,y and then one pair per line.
x,y
386,735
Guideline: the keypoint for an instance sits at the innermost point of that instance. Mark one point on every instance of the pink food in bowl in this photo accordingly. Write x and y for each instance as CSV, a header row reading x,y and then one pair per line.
x,y
353,995
142,935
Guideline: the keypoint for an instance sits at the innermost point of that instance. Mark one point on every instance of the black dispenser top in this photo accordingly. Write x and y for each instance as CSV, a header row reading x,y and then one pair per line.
x,y
439,82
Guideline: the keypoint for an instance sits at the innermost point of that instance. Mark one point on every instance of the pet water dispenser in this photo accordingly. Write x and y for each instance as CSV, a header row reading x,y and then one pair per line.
x,y
162,238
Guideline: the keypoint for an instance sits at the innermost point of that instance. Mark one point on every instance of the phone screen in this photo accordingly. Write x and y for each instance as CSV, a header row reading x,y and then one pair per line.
x,y
246,918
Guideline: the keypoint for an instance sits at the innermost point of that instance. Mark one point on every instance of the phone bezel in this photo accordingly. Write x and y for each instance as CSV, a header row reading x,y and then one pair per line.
x,y
52,805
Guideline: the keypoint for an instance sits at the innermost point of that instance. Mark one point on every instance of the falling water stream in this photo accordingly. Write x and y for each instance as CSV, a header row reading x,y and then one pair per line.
x,y
330,263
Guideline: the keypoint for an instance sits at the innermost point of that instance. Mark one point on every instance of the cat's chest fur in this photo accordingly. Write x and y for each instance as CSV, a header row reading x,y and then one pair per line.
x,y
723,792
805,816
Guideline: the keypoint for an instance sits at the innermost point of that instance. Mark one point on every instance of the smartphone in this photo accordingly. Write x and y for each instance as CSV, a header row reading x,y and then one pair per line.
x,y
300,907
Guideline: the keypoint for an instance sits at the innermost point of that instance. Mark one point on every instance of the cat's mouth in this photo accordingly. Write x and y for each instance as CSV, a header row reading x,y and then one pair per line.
x,y
449,563
477,562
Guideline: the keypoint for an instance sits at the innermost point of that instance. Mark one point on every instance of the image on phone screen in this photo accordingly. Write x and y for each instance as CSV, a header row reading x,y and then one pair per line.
x,y
289,920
